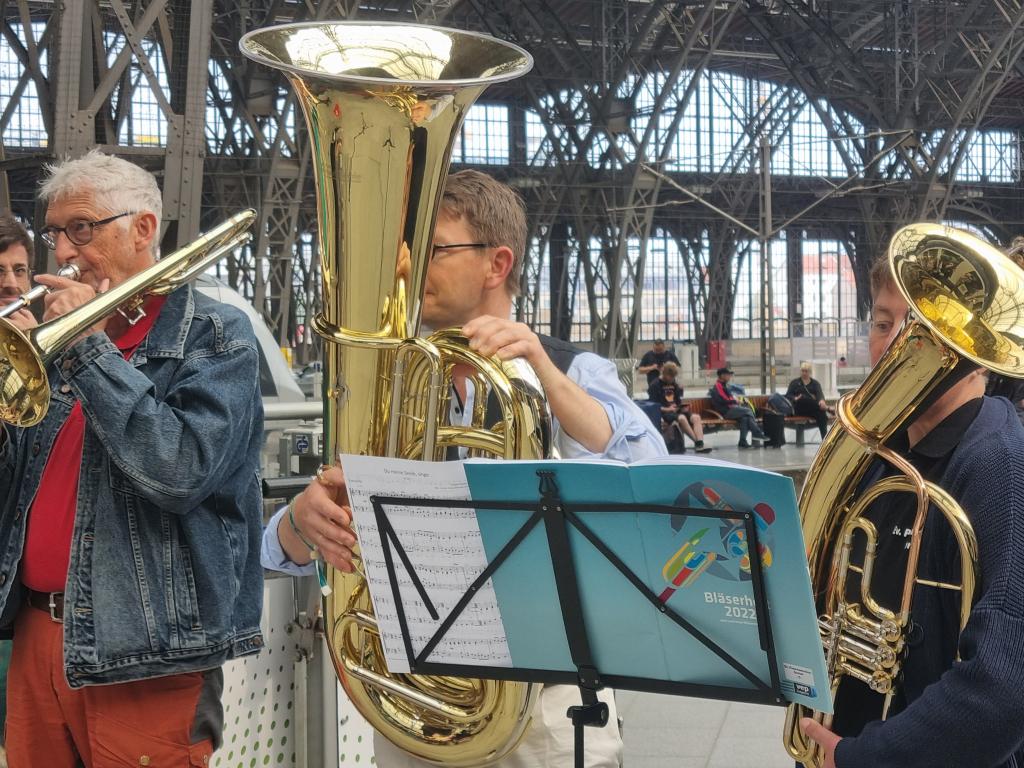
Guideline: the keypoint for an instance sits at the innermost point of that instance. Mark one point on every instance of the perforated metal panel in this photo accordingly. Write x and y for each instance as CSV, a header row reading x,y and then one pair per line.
x,y
259,692
355,735
260,728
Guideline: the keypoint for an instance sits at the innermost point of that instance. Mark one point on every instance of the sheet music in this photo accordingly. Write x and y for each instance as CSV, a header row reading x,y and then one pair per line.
x,y
447,553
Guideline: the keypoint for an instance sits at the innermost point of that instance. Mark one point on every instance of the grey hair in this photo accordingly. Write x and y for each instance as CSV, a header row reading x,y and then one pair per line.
x,y
115,184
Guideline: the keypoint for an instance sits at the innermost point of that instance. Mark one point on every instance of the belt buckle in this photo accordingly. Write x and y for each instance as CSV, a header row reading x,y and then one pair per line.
x,y
53,609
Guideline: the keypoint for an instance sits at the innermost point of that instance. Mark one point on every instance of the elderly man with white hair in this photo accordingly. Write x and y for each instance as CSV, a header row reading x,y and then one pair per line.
x,y
808,398
130,517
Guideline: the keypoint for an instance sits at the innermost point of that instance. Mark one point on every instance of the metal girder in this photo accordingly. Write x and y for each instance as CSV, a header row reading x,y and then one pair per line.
x,y
723,261
186,139
906,53
611,269
929,87
81,86
995,50
276,241
433,11
708,26
29,55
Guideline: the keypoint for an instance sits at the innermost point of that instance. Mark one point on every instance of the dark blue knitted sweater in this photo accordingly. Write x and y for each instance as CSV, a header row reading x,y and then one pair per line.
x,y
967,713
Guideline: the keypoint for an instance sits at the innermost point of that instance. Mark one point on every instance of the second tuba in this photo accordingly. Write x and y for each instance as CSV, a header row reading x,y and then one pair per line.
x,y
383,104
966,302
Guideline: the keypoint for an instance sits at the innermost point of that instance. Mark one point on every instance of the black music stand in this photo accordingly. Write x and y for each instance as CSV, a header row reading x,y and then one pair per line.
x,y
558,517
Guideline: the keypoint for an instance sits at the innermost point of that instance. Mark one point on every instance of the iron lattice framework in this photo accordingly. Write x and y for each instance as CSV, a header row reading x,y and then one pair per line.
x,y
902,87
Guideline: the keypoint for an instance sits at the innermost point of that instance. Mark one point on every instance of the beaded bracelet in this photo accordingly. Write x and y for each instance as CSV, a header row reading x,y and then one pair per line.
x,y
313,553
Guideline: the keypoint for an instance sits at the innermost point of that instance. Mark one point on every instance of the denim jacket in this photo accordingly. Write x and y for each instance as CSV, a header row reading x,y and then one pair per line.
x,y
164,575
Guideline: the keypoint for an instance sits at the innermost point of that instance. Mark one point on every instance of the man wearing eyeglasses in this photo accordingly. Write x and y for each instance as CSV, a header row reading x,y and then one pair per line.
x,y
478,249
15,245
130,516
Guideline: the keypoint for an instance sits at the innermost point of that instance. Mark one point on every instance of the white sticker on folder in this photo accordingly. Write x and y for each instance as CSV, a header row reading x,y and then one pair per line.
x,y
796,674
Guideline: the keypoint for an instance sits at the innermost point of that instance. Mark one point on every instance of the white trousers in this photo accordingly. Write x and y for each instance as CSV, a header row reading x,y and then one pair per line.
x,y
548,742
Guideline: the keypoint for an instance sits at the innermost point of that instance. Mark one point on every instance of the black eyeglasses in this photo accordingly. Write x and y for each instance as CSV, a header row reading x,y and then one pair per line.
x,y
79,231
456,246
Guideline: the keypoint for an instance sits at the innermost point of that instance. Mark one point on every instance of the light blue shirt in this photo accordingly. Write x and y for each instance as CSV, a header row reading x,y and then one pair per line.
x,y
633,438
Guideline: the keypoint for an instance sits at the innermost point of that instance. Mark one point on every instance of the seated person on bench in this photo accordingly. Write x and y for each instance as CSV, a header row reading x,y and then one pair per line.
x,y
725,402
807,398
668,394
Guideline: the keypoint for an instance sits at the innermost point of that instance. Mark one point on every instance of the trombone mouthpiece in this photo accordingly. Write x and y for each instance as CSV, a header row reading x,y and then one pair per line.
x,y
70,271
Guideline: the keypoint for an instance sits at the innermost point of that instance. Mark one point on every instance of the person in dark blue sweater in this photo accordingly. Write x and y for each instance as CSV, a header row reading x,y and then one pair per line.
x,y
959,700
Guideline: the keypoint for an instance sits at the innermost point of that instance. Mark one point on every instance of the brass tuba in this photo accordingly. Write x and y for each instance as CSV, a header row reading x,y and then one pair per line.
x,y
966,302
383,104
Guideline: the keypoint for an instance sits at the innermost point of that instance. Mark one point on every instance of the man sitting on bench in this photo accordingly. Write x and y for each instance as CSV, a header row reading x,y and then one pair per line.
x,y
808,399
723,401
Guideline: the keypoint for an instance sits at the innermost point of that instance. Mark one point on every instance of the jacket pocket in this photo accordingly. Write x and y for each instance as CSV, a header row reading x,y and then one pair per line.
x,y
179,587
188,597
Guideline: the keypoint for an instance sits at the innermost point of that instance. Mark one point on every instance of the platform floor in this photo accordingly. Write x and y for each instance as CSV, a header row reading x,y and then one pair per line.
x,y
788,457
678,732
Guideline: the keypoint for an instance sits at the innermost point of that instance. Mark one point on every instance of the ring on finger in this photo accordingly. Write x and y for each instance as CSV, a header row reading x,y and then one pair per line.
x,y
320,475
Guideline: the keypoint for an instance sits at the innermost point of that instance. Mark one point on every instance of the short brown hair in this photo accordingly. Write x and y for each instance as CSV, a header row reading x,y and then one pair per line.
x,y
494,211
13,233
881,277
670,368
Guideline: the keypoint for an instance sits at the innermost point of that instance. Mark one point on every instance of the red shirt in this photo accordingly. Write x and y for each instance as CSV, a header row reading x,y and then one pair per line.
x,y
51,520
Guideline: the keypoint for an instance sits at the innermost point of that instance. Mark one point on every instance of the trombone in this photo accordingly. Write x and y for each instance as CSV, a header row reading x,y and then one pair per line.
x,y
24,357
70,271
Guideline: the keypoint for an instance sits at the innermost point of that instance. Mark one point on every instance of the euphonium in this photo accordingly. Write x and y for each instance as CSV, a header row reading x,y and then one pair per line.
x,y
24,357
966,310
383,104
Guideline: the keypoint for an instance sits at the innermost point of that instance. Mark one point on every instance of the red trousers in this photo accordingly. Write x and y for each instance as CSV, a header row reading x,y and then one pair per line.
x,y
49,725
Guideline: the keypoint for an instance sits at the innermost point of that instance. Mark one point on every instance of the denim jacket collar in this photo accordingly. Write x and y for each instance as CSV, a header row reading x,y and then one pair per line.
x,y
167,337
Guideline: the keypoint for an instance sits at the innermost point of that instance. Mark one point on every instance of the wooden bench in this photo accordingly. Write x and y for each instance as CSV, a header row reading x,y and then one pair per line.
x,y
714,421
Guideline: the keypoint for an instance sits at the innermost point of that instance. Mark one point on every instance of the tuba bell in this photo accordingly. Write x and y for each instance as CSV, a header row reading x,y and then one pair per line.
x,y
966,302
383,104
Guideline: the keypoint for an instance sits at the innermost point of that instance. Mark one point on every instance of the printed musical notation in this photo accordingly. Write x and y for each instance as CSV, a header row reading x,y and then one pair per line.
x,y
446,550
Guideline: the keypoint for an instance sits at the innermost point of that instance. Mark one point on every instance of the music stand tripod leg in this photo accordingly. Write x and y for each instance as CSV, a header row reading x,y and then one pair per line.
x,y
591,712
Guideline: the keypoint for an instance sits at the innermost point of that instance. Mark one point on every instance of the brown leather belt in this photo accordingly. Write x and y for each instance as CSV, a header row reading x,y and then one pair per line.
x,y
50,602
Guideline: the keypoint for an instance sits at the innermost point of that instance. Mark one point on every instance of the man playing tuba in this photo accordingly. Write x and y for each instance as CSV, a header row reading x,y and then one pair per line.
x,y
478,248
958,702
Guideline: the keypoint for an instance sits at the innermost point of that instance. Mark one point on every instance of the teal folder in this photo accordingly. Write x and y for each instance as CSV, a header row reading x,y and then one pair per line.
x,y
699,566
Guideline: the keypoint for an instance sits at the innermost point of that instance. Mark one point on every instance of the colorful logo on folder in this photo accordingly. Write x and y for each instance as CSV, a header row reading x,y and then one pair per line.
x,y
723,552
